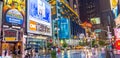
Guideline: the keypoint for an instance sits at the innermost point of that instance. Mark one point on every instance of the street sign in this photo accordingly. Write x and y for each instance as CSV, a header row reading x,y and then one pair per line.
x,y
97,30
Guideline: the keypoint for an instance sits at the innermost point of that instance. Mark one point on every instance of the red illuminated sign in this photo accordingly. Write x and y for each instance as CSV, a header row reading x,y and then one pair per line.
x,y
117,44
10,35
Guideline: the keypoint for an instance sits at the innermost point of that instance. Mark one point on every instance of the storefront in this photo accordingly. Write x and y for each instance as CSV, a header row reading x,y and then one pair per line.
x,y
38,43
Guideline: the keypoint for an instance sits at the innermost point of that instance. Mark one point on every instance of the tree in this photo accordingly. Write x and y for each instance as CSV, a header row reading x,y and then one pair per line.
x,y
64,44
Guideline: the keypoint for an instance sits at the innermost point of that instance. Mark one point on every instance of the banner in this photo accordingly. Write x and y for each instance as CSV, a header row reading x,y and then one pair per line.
x,y
114,7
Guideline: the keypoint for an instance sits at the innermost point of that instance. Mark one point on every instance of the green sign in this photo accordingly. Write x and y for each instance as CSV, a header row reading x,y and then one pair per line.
x,y
97,30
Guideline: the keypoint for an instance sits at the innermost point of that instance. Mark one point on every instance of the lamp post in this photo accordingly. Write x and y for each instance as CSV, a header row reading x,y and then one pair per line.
x,y
57,18
57,29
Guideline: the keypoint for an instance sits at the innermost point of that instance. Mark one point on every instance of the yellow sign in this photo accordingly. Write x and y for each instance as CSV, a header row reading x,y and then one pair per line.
x,y
5,45
32,25
10,39
113,3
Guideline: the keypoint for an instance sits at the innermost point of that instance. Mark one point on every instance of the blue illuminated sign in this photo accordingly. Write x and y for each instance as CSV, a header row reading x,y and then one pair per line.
x,y
40,10
64,32
14,17
115,12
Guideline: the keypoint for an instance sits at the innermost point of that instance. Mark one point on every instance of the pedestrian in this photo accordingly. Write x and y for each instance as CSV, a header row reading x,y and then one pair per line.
x,y
83,54
5,52
111,51
58,51
103,52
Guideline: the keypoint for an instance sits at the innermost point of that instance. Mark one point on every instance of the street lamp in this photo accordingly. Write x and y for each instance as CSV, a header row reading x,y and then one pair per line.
x,y
57,29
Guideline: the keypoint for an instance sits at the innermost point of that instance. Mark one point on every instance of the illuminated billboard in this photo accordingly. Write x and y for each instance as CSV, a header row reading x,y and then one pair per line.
x,y
14,12
39,17
114,7
1,4
117,44
95,20
117,33
117,20
64,28
10,35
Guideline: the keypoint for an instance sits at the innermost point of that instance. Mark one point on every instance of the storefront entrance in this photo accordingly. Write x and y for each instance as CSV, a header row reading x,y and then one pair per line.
x,y
12,49
37,44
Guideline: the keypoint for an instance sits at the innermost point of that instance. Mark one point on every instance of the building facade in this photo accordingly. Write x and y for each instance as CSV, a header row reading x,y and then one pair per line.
x,y
88,9
97,9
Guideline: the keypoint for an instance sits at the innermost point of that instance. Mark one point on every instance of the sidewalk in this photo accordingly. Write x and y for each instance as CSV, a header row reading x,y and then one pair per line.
x,y
117,55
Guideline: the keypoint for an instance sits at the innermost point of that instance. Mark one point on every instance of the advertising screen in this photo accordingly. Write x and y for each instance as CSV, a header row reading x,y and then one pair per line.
x,y
13,12
64,28
117,44
117,20
95,20
1,4
39,17
117,33
10,35
114,7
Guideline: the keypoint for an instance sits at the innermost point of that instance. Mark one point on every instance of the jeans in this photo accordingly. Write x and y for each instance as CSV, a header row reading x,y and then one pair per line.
x,y
103,55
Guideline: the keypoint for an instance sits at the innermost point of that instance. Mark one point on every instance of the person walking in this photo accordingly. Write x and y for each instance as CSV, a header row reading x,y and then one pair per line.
x,y
103,53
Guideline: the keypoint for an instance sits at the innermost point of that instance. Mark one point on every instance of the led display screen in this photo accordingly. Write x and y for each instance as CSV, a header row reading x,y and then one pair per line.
x,y
39,17
114,7
95,20
10,35
64,28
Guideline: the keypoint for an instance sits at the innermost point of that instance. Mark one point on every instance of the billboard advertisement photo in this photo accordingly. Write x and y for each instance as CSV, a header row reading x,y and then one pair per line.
x,y
14,12
95,20
64,32
39,17
114,7
117,33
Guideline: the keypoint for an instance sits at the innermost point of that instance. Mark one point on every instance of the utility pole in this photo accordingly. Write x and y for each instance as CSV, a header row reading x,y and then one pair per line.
x,y
109,33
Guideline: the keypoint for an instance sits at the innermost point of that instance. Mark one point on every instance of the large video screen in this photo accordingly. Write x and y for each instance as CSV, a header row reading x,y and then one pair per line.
x,y
14,12
39,17
95,20
64,28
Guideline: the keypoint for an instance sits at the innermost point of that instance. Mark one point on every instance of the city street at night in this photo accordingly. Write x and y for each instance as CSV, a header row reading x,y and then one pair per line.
x,y
59,28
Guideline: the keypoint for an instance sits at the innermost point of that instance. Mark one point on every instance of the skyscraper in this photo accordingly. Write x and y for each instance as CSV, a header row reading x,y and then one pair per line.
x,y
88,9
97,8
